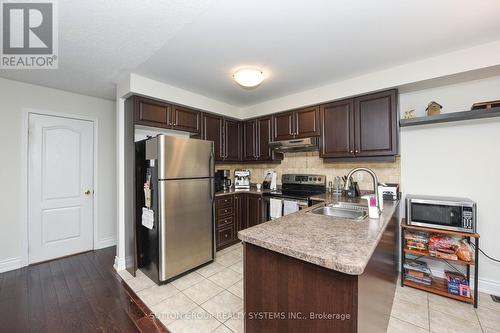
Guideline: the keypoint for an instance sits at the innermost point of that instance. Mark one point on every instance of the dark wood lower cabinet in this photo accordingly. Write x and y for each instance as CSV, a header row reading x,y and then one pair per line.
x,y
235,212
254,209
284,294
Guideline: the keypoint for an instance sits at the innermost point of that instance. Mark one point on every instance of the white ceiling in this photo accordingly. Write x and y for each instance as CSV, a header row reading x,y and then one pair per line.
x,y
196,45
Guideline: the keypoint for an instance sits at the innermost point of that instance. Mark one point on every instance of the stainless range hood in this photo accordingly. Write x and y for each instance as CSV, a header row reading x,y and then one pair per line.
x,y
295,145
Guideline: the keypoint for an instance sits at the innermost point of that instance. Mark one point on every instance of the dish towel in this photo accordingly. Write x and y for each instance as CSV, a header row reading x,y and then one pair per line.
x,y
275,208
290,207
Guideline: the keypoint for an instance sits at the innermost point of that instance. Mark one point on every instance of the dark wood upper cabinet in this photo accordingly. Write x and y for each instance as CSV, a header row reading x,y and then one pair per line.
x,y
184,119
307,122
264,135
301,123
365,126
249,140
232,140
151,113
257,134
212,131
337,135
362,127
375,121
283,126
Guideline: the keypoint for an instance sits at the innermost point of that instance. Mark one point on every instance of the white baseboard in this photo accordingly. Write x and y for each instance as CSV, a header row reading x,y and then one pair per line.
x,y
490,287
106,242
10,264
119,264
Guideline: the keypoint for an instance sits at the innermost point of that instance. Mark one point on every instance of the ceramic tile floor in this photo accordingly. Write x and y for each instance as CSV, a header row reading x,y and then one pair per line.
x,y
211,300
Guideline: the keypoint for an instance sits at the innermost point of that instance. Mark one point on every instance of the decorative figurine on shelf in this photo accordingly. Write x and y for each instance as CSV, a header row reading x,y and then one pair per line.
x,y
433,108
410,114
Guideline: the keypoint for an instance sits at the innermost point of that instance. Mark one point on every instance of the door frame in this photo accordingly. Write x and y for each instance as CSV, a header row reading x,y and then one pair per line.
x,y
25,160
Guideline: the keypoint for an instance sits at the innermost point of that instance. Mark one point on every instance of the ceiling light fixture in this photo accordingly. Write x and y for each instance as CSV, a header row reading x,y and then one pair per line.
x,y
248,77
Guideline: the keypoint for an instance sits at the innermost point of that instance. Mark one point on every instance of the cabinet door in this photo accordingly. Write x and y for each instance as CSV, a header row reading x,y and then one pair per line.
x,y
337,133
375,119
284,126
264,134
185,119
225,237
238,212
249,138
232,140
151,113
212,131
307,122
254,209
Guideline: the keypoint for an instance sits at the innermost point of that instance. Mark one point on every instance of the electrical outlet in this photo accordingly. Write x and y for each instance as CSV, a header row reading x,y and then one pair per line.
x,y
359,176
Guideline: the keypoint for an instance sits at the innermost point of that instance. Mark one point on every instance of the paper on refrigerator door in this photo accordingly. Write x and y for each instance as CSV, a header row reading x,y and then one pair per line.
x,y
148,218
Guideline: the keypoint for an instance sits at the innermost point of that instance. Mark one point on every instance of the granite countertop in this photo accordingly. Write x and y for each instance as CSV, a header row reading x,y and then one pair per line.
x,y
252,189
342,245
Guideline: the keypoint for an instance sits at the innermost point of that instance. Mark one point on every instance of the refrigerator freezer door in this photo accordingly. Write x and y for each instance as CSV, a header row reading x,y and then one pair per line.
x,y
186,226
180,157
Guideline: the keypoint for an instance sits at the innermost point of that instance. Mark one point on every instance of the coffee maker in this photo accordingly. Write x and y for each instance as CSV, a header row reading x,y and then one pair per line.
x,y
222,180
241,179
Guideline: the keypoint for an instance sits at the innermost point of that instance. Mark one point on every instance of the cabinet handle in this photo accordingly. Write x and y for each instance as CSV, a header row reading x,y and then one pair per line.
x,y
350,151
356,151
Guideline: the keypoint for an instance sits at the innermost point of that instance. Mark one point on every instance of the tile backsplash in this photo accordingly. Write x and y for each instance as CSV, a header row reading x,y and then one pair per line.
x,y
311,163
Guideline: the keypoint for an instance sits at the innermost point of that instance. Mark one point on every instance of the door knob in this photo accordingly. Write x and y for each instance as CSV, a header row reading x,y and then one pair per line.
x,y
87,192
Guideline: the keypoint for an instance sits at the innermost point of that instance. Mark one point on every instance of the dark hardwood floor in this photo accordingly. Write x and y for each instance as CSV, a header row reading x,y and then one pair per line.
x,y
81,293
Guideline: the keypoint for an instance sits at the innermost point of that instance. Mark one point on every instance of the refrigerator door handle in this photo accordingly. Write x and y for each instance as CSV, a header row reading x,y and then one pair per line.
x,y
211,164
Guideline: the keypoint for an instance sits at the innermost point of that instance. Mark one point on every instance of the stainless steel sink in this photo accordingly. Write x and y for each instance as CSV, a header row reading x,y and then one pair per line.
x,y
343,210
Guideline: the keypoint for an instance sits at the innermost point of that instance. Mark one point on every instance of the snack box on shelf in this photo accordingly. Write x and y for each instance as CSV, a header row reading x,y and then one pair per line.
x,y
457,284
417,240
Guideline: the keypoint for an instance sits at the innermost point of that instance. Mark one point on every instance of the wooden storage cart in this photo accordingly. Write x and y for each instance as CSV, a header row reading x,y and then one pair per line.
x,y
439,285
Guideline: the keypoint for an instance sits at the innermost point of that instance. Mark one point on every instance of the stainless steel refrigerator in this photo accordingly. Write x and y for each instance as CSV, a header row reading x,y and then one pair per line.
x,y
180,174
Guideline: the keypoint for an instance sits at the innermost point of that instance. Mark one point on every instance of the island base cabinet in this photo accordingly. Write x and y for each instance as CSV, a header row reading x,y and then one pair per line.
x,y
284,294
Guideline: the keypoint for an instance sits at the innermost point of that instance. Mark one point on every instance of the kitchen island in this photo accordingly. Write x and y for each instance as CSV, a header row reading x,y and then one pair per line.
x,y
314,273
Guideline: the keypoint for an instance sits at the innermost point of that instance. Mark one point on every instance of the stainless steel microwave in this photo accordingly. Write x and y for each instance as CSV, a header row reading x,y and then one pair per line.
x,y
449,213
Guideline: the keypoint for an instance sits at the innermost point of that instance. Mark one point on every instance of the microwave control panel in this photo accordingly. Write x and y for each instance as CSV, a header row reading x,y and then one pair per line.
x,y
467,218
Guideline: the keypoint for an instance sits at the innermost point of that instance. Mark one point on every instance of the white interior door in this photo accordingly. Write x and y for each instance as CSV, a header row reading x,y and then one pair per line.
x,y
60,184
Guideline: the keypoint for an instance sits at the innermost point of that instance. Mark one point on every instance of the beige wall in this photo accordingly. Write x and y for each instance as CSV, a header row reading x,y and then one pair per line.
x,y
311,163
